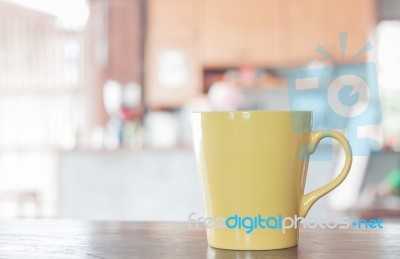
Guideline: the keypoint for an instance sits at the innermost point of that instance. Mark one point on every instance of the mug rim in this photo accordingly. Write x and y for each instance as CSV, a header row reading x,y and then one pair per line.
x,y
255,111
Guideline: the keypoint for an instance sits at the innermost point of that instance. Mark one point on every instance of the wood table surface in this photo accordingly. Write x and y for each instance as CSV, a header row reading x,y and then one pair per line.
x,y
85,239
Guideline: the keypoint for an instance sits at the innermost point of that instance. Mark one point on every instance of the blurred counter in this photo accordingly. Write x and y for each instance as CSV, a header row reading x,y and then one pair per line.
x,y
150,185
142,185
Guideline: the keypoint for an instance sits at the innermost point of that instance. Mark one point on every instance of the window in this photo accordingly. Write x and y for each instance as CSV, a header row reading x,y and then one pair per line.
x,y
43,81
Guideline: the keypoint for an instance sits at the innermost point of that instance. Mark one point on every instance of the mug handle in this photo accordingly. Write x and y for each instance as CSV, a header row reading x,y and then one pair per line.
x,y
310,198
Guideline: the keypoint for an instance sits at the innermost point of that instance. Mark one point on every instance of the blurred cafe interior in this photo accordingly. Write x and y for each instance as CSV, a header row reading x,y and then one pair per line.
x,y
96,96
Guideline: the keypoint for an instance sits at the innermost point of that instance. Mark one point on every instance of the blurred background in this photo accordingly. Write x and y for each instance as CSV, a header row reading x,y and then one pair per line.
x,y
96,95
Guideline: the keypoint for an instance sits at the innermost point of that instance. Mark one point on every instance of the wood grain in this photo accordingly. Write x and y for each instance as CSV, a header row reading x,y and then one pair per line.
x,y
80,239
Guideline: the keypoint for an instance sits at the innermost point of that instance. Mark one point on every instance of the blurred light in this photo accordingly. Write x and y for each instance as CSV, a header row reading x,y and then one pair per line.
x,y
388,33
132,95
112,95
70,14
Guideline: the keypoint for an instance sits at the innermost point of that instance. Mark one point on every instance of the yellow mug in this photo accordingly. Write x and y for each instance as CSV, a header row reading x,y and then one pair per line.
x,y
252,167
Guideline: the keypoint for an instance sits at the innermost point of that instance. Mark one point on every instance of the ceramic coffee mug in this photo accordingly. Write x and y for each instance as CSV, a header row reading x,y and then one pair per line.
x,y
252,167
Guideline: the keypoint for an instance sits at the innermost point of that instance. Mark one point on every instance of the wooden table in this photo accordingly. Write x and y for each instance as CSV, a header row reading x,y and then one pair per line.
x,y
79,239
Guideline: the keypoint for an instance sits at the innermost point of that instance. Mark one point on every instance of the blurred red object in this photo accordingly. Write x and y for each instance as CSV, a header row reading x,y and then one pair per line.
x,y
128,113
247,76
